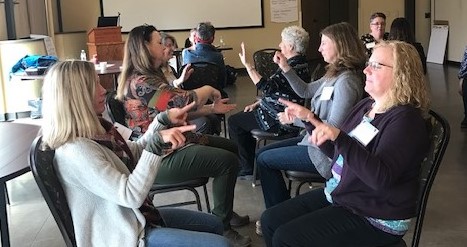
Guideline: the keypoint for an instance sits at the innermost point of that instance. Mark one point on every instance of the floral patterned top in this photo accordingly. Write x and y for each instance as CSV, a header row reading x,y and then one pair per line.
x,y
149,95
369,42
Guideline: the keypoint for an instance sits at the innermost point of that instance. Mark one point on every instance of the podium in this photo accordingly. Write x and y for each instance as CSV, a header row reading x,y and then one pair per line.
x,y
106,42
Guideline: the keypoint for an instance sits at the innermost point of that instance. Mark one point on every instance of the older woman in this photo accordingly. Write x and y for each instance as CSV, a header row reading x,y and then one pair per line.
x,y
372,194
106,180
263,113
377,31
145,92
332,97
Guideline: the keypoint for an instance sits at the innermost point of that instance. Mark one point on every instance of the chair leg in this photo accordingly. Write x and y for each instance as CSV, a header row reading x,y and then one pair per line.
x,y
255,167
290,187
206,197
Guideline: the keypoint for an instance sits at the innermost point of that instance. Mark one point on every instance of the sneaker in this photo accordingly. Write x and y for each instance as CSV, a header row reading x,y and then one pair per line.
x,y
464,124
238,221
259,232
236,239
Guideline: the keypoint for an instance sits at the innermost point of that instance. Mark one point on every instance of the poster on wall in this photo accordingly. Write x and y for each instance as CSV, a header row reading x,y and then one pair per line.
x,y
284,11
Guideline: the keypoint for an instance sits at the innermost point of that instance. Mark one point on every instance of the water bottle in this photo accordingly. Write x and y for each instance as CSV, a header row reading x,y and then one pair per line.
x,y
83,55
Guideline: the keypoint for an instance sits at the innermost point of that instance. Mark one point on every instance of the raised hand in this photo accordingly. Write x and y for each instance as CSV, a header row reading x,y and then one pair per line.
x,y
281,60
177,116
186,72
242,55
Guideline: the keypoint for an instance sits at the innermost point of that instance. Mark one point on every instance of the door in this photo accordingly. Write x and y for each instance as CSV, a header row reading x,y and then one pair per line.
x,y
315,17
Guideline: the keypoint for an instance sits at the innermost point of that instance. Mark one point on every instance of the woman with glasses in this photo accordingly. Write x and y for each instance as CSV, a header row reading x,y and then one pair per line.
x,y
145,92
376,157
377,32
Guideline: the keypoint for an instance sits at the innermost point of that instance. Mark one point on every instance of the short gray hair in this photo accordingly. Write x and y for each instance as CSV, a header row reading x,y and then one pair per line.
x,y
297,36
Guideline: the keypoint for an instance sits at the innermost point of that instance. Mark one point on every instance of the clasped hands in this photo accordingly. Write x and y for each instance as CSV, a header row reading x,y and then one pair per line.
x,y
322,132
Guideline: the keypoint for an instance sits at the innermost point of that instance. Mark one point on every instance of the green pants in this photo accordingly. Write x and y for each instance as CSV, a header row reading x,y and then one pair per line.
x,y
217,160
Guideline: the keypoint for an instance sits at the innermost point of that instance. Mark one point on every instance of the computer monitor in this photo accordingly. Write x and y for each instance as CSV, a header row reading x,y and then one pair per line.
x,y
107,21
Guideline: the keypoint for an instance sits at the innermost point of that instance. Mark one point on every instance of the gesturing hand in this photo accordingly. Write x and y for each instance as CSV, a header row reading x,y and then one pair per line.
x,y
294,110
281,60
175,135
322,132
220,106
177,116
186,72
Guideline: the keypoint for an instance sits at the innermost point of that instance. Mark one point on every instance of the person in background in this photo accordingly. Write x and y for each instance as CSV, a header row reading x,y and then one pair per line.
x,y
463,87
190,41
377,32
204,51
377,154
145,92
105,179
332,97
208,124
402,30
263,113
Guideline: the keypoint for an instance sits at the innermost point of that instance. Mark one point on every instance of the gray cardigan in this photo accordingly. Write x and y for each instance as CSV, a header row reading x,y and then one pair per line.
x,y
104,197
348,90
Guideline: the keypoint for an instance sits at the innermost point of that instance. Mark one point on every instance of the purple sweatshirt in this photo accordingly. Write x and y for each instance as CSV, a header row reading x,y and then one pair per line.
x,y
381,180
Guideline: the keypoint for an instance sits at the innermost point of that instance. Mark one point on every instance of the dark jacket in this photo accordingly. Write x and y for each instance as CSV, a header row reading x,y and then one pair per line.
x,y
381,180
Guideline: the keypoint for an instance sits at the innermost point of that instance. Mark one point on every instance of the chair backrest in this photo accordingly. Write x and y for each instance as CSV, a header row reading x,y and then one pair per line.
x,y
264,63
439,138
115,108
41,163
206,73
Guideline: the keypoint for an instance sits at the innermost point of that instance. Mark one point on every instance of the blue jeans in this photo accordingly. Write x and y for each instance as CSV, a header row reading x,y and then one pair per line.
x,y
278,156
310,220
186,228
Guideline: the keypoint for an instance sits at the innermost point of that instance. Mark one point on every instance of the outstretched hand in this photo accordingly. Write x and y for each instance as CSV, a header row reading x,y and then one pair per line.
x,y
294,110
220,106
177,116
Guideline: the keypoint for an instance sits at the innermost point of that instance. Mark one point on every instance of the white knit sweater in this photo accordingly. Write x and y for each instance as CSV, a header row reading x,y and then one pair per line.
x,y
103,196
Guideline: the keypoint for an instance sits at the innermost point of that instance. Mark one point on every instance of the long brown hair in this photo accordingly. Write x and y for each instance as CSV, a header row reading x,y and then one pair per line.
x,y
137,58
350,51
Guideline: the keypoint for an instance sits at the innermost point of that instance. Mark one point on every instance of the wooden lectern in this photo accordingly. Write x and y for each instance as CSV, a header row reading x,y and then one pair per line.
x,y
106,42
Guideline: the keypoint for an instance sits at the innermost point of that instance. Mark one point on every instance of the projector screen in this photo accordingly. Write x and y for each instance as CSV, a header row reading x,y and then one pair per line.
x,y
185,14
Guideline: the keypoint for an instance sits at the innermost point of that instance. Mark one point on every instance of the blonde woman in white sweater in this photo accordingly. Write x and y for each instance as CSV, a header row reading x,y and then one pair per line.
x,y
106,179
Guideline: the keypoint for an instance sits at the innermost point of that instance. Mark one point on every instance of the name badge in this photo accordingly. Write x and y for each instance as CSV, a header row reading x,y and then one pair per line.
x,y
123,131
370,45
327,93
364,132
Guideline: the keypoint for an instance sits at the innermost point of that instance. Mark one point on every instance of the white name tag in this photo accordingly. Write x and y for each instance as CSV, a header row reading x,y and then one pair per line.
x,y
364,132
370,45
123,131
327,93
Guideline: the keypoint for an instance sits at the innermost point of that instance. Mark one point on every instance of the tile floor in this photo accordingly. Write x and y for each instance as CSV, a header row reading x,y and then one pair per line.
x,y
31,223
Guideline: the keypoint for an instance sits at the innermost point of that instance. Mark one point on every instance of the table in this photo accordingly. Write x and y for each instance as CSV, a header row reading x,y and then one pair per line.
x,y
15,142
179,59
113,71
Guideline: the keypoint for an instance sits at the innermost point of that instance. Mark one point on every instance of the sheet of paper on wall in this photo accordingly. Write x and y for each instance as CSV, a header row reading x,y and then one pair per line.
x,y
48,42
284,10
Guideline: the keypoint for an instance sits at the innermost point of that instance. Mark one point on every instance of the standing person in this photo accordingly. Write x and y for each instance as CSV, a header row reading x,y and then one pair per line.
x,y
463,87
105,179
377,152
144,90
208,124
377,32
263,113
332,97
204,51
401,30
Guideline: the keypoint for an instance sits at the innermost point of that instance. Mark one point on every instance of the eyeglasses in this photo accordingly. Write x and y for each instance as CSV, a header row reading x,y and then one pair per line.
x,y
376,66
147,30
378,24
